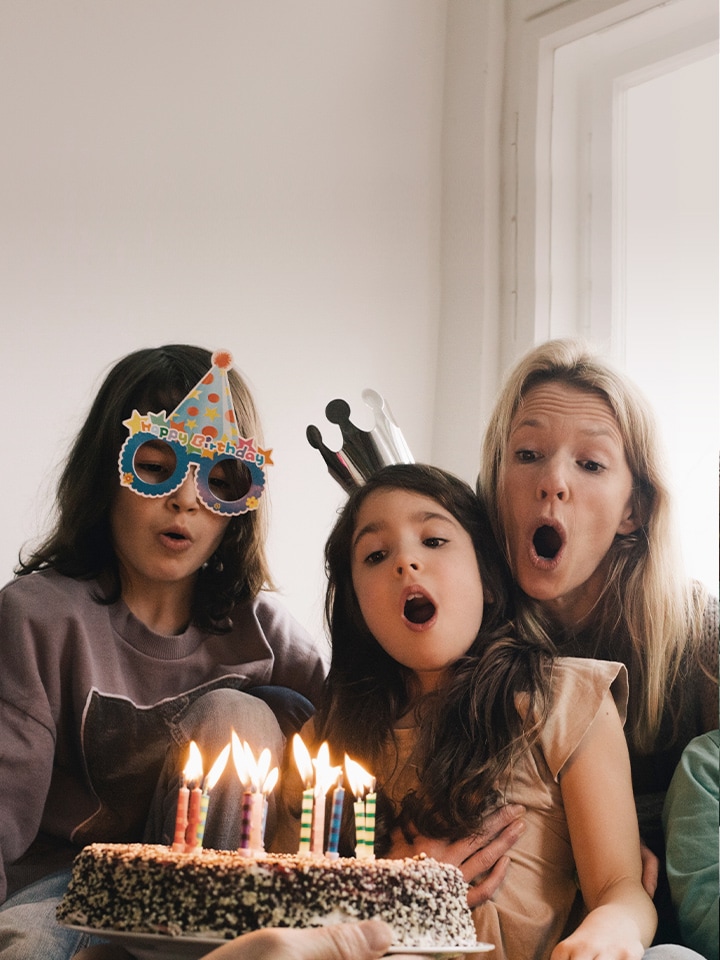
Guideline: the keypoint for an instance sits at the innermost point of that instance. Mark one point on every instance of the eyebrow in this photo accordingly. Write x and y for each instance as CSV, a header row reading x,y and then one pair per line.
x,y
420,517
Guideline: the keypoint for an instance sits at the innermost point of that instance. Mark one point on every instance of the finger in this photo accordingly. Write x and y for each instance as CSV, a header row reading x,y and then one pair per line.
x,y
354,941
483,890
365,940
650,870
486,857
495,822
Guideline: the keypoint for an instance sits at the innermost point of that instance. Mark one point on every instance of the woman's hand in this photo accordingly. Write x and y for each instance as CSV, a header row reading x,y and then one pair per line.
x,y
481,858
650,870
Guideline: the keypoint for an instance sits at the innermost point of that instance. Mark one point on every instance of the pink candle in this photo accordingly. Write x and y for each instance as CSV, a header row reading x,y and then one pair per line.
x,y
193,821
181,817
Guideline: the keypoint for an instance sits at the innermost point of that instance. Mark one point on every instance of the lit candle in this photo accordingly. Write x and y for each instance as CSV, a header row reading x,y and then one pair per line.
x,y
325,777
208,783
338,799
246,821
181,816
193,819
364,808
258,781
191,774
304,765
370,801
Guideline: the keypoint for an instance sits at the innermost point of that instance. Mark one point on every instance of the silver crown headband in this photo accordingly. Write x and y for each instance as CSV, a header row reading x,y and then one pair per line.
x,y
363,452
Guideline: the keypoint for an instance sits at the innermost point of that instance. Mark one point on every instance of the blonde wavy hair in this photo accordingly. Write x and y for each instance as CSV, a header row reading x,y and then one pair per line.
x,y
648,602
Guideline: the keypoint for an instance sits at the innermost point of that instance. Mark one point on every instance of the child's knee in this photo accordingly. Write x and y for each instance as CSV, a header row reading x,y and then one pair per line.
x,y
211,719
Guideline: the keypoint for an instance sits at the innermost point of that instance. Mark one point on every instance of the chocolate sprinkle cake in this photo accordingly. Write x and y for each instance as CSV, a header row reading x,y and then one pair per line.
x,y
147,888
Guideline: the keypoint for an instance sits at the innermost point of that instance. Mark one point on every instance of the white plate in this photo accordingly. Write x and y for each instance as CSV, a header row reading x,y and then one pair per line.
x,y
448,951
159,946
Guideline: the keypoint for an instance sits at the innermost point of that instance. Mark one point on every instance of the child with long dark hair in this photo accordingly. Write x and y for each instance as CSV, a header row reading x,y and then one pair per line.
x,y
142,622
455,715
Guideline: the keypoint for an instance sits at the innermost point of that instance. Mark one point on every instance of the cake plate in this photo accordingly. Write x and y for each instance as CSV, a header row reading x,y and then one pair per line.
x,y
159,946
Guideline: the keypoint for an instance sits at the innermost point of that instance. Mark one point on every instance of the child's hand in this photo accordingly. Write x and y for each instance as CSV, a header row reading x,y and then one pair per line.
x,y
481,858
604,934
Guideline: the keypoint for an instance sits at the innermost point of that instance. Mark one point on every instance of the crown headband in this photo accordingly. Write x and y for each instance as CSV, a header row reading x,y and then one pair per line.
x,y
201,432
363,452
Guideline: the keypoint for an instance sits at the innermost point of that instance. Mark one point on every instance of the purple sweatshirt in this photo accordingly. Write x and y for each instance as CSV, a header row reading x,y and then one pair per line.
x,y
86,693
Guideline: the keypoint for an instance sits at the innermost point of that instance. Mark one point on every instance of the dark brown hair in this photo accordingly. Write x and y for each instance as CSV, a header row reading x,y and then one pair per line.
x,y
470,731
80,543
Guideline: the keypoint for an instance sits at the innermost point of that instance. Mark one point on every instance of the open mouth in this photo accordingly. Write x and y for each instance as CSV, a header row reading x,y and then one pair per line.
x,y
418,609
547,542
175,536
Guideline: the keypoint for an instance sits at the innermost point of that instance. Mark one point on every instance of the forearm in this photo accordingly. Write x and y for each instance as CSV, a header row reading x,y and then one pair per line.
x,y
621,924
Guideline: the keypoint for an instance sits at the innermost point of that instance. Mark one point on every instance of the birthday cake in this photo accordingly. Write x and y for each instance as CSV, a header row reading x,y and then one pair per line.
x,y
145,888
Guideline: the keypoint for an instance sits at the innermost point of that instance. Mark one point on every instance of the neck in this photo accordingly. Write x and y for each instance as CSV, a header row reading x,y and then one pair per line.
x,y
165,610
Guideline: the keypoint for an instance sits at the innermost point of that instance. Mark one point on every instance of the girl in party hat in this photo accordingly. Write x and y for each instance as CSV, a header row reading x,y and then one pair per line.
x,y
140,624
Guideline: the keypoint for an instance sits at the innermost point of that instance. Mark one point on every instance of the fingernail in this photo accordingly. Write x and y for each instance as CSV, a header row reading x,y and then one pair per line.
x,y
378,934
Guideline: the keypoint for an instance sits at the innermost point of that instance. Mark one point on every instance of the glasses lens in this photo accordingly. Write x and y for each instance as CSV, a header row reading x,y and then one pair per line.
x,y
229,480
154,462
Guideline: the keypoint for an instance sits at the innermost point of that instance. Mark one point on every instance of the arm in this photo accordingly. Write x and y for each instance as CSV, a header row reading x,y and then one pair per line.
x,y
597,794
482,859
27,738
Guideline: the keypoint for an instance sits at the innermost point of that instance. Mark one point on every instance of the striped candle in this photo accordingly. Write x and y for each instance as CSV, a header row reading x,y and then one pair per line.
x,y
338,799
306,817
246,821
360,848
370,802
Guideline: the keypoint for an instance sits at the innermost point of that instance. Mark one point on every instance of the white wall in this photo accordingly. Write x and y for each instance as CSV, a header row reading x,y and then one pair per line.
x,y
260,176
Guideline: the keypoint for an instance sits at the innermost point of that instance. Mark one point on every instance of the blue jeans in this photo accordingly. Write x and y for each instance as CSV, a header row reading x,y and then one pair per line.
x,y
263,716
28,929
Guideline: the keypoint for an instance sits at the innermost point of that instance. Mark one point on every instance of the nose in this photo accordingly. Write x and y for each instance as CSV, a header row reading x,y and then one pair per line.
x,y
185,497
405,561
552,483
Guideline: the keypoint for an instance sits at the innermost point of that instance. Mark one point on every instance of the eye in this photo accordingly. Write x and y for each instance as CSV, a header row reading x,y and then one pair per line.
x,y
592,466
377,556
154,462
434,542
526,456
229,480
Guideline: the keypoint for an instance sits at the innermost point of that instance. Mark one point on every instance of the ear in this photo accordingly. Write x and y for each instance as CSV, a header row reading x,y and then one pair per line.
x,y
629,522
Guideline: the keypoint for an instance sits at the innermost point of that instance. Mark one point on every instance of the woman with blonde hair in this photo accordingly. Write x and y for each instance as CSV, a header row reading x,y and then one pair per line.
x,y
573,478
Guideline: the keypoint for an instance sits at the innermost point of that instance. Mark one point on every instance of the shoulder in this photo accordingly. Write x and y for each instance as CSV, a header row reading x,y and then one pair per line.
x,y
578,688
699,765
269,616
46,591
573,678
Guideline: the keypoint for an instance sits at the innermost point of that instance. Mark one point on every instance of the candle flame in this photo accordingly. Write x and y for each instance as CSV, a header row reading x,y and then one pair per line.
x,y
240,760
325,775
361,782
252,773
217,768
194,767
263,766
270,781
302,759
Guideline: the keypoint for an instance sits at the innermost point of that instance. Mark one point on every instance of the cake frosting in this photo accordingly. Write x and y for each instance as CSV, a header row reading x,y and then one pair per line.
x,y
146,888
